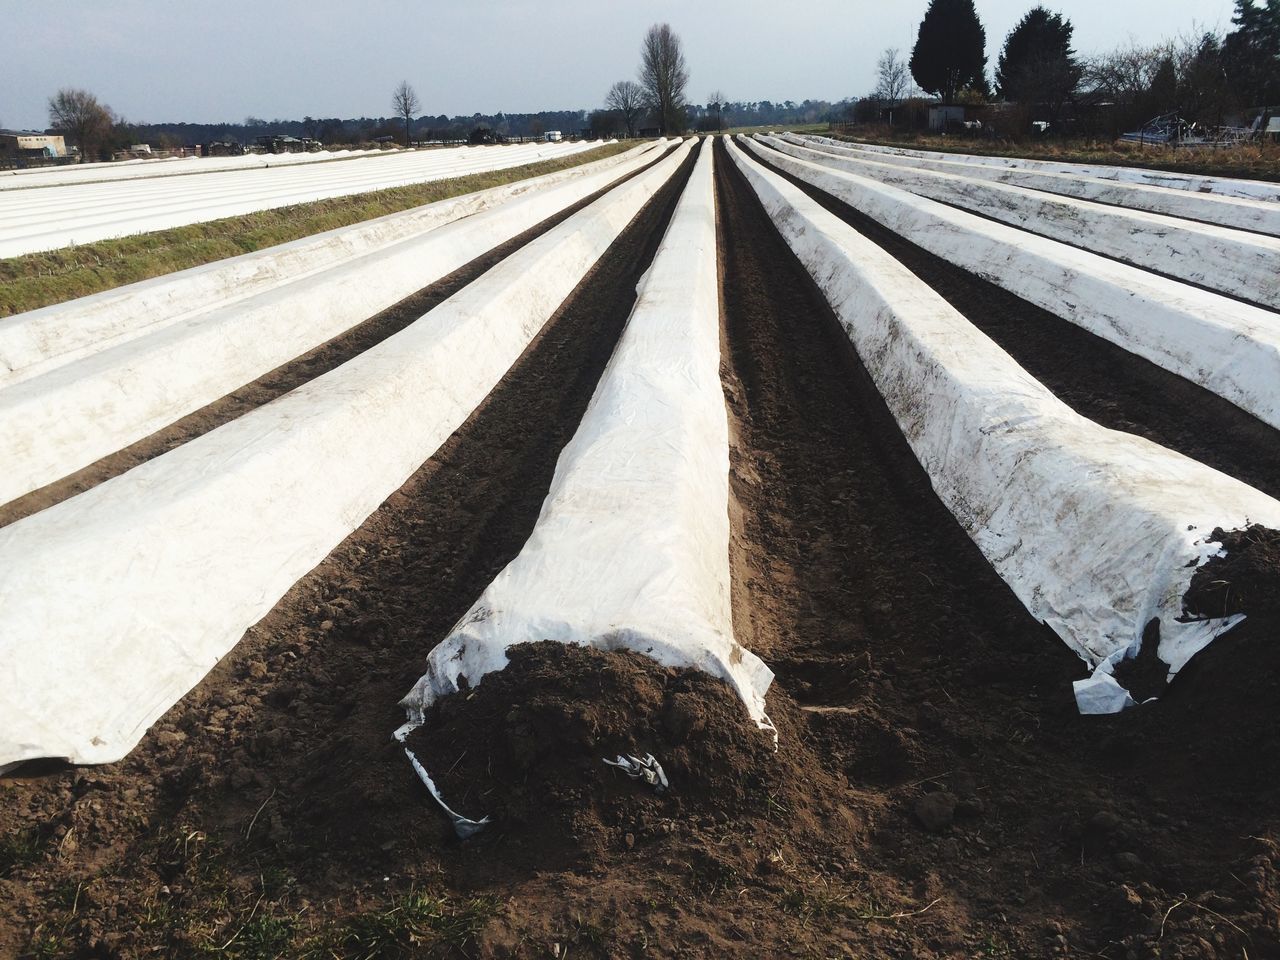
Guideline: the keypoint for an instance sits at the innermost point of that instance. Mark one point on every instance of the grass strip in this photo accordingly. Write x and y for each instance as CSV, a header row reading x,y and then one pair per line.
x,y
41,279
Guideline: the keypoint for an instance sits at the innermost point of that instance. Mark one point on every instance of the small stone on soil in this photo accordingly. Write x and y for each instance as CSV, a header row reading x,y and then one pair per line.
x,y
936,811
1104,821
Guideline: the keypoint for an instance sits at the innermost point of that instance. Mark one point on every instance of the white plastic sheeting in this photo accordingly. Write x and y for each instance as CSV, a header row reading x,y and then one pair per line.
x,y
1258,215
172,561
1097,532
48,218
631,550
74,413
1245,265
142,167
1228,347
1194,183
32,342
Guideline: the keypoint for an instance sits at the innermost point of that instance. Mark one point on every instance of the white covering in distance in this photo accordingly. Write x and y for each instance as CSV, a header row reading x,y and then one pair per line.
x,y
1097,532
631,549
1236,212
1191,182
1246,265
32,342
175,559
1227,347
137,168
72,414
55,217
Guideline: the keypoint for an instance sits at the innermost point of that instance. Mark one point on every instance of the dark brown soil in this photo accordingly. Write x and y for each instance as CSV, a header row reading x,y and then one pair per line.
x,y
527,748
1093,376
934,794
288,376
276,779
1246,580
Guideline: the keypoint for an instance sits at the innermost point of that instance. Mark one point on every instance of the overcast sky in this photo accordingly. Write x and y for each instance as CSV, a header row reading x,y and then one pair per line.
x,y
224,60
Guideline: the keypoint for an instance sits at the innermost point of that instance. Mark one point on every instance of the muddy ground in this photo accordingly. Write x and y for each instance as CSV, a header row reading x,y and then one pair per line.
x,y
934,792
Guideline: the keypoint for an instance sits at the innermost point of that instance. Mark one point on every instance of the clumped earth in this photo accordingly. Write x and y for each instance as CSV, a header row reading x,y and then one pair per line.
x,y
1245,579
934,793
527,748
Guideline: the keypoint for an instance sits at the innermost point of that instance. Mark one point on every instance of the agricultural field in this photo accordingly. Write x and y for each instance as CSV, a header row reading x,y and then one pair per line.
x,y
748,546
1257,161
54,207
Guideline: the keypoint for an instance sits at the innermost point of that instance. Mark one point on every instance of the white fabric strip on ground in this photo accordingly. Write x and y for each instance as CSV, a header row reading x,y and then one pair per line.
x,y
1165,179
1097,532
1227,347
1236,212
32,342
54,217
65,419
175,559
1235,262
631,549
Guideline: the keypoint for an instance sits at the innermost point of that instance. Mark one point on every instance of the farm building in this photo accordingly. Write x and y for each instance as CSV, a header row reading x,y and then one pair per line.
x,y
18,146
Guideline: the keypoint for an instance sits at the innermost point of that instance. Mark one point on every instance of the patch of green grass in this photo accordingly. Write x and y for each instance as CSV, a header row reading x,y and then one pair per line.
x,y
591,932
41,279
49,946
19,848
815,903
412,924
709,874
264,936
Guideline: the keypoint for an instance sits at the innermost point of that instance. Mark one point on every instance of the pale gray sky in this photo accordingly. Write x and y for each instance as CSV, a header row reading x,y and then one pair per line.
x,y
223,60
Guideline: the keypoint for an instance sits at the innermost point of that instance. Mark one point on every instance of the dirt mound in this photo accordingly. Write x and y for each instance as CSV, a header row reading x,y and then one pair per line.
x,y
1245,580
527,747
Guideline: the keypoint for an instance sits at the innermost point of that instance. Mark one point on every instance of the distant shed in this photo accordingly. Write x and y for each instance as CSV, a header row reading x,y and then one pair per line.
x,y
17,147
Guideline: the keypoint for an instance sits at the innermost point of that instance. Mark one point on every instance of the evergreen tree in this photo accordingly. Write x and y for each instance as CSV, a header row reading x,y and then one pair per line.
x,y
1164,87
950,50
1203,92
1037,65
1251,52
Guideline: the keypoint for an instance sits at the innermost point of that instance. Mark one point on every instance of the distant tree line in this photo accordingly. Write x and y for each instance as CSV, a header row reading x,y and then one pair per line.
x,y
335,131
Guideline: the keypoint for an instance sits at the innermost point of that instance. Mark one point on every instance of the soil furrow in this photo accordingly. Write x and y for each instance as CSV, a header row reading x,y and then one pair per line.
x,y
281,760
1096,378
929,688
288,376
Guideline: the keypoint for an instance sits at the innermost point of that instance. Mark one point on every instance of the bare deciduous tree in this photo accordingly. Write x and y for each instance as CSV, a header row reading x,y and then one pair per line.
x,y
663,75
81,119
717,102
892,76
405,102
627,98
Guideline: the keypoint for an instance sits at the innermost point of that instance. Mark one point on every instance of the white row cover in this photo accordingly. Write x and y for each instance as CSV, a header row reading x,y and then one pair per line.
x,y
631,550
1245,265
1227,347
1258,215
53,217
71,415
32,342
172,561
1191,182
1097,532
143,167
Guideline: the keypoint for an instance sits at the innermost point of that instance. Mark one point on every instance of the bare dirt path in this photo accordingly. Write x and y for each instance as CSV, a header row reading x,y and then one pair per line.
x,y
290,375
